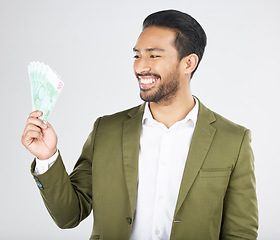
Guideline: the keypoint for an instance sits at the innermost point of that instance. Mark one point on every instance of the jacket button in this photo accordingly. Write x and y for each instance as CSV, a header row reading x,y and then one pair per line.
x,y
39,184
129,221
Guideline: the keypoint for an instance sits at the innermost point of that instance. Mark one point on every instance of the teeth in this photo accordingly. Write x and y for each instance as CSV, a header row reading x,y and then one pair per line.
x,y
147,81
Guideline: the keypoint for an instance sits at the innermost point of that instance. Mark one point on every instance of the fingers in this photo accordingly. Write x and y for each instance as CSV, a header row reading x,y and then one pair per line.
x,y
33,119
36,114
49,125
33,128
29,136
39,138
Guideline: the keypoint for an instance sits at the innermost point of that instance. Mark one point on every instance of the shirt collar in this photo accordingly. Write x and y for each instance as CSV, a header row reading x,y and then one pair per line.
x,y
192,115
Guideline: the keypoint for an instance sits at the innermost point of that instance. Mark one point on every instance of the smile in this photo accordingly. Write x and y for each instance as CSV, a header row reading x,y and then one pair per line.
x,y
147,82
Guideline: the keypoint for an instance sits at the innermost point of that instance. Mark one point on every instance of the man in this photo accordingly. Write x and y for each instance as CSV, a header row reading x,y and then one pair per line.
x,y
168,169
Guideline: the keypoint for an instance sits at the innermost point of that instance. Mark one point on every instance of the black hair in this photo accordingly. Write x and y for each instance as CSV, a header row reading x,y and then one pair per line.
x,y
190,36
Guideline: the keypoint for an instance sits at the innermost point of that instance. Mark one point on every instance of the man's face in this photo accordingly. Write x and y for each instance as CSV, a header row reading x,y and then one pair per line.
x,y
156,65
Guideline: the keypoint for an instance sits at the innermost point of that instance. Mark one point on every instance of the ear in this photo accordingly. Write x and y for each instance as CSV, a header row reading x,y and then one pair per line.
x,y
189,63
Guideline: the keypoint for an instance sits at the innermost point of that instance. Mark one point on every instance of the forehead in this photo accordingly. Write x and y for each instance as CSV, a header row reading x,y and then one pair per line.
x,y
156,37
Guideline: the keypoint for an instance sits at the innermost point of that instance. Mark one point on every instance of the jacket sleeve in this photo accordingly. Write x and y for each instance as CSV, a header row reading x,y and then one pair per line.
x,y
68,198
240,216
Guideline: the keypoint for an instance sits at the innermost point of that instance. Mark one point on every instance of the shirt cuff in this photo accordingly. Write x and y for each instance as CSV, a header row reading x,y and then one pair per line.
x,y
43,165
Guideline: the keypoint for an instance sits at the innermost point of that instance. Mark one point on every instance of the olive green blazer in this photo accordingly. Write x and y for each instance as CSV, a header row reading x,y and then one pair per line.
x,y
217,198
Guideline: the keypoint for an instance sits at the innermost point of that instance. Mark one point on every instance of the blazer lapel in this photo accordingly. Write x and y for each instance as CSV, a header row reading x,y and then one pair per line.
x,y
200,144
131,143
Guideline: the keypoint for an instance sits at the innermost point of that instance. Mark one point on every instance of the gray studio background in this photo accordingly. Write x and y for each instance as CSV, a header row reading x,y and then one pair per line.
x,y
89,43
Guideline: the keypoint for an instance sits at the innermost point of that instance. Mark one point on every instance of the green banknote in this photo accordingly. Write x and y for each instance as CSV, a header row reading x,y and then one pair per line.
x,y
45,88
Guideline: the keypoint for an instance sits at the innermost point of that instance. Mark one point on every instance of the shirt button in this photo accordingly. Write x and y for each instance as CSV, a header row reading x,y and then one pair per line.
x,y
157,232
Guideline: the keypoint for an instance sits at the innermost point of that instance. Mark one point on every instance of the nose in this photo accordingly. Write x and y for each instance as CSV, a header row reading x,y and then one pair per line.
x,y
141,65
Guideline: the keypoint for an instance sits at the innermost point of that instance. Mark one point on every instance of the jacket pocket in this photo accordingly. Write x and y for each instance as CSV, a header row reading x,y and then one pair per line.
x,y
214,172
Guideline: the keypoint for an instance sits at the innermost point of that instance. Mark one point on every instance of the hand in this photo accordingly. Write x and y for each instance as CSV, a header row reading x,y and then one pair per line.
x,y
39,138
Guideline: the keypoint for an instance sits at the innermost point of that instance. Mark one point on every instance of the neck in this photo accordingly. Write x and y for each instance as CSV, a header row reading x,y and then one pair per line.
x,y
175,111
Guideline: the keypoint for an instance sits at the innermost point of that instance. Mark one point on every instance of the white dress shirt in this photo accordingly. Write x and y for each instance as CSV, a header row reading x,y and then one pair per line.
x,y
42,166
162,158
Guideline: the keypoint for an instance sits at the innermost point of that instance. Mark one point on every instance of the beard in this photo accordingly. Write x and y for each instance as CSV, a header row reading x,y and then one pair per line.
x,y
165,92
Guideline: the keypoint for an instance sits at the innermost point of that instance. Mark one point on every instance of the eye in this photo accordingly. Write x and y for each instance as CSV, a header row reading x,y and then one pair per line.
x,y
154,56
136,56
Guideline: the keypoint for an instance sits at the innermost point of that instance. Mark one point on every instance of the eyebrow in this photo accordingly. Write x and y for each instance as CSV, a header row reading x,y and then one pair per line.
x,y
149,50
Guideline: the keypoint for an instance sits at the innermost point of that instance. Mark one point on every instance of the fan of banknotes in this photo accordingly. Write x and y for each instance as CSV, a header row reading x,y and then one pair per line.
x,y
45,88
